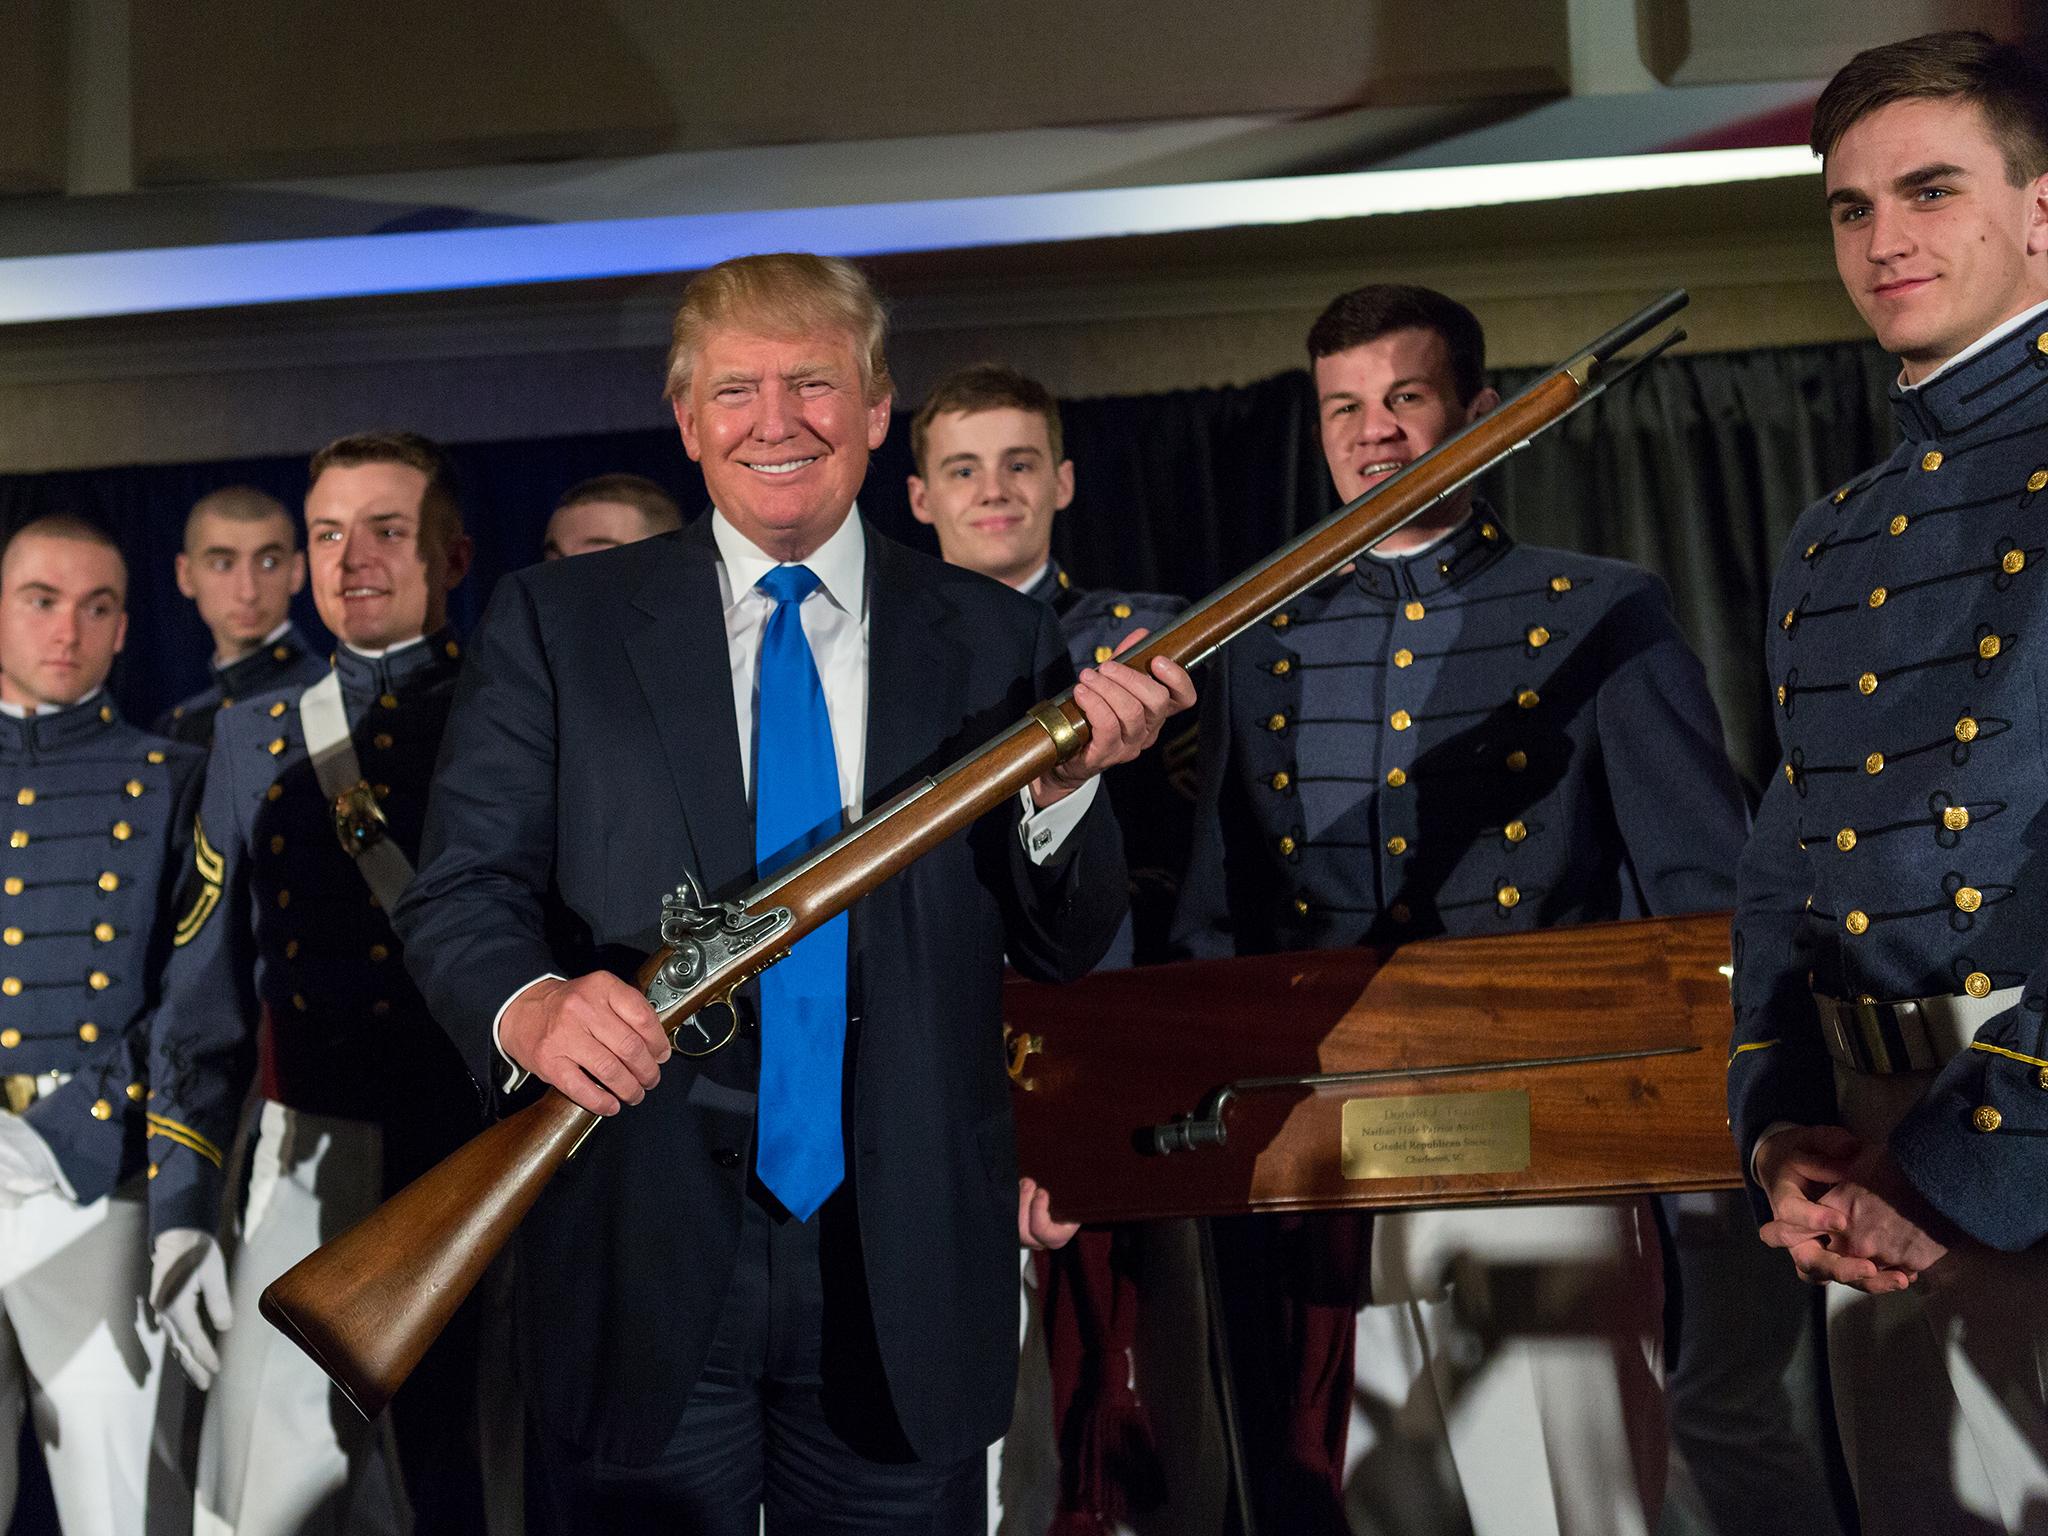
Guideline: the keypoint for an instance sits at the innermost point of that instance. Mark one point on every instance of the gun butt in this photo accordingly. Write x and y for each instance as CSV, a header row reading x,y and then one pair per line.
x,y
366,1306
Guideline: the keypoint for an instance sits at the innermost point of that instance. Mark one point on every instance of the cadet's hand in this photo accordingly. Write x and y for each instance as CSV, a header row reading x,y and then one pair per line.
x,y
27,1166
1125,710
1035,1226
188,1287
595,1038
1796,1168
1888,1223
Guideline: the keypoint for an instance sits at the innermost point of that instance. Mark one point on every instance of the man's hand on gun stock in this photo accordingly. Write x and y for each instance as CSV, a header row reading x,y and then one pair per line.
x,y
1125,711
595,1038
1844,1212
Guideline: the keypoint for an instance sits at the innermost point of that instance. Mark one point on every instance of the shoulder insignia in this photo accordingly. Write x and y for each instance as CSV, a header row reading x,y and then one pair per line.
x,y
210,866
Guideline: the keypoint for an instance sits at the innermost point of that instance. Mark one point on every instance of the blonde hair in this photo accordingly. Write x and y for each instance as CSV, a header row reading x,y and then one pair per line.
x,y
788,293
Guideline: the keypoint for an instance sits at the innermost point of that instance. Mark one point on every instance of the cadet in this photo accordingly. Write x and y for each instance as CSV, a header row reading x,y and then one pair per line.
x,y
99,835
242,566
606,511
312,812
1461,735
992,472
1890,1061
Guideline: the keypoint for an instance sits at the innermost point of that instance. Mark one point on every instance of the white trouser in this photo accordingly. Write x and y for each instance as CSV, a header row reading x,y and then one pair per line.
x,y
1024,1466
1508,1374
1941,1390
281,1452
77,1345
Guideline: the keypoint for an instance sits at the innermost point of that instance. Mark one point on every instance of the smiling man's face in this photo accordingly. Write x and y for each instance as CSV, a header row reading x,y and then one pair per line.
x,y
782,428
379,576
1934,243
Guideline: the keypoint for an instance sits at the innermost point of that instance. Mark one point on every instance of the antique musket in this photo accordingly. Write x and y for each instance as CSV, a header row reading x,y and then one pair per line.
x,y
366,1305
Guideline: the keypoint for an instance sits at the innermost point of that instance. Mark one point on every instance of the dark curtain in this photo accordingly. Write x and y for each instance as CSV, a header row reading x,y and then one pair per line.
x,y
1694,467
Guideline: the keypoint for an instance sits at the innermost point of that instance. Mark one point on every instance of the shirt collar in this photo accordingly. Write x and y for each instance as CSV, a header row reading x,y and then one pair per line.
x,y
840,563
20,711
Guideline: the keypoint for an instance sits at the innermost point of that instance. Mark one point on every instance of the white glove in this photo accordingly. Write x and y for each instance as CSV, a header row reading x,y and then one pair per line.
x,y
188,1288
27,1165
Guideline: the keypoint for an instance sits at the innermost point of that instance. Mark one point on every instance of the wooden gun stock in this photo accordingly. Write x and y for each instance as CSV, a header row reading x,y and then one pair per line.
x,y
366,1305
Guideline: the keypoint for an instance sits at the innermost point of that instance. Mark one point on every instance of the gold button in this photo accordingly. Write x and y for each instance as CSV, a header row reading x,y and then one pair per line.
x,y
1508,896
1396,777
1404,658
1488,532
381,791
1413,610
1867,684
1846,839
1790,776
277,842
1515,831
2041,342
2041,1078
134,1091
1301,906
1899,524
1400,720
1842,495
109,881
15,885
1517,761
1280,780
1276,723
291,949
99,981
280,653
380,1008
11,936
1103,653
10,1038
106,714
1528,698
1985,1118
88,1032
1969,899
1988,647
133,789
1781,695
390,700
1955,818
25,796
154,1170
299,1001
1977,984
1931,460
1786,622
1121,610
102,1110
1399,912
2037,480
275,792
452,649
18,840
2014,562
1286,845
277,709
1539,637
1282,667
1280,621
1877,597
284,898
1560,583
379,954
276,746
104,932
153,755
381,741
1812,550
1966,729
1856,922
122,831
1397,845
1874,763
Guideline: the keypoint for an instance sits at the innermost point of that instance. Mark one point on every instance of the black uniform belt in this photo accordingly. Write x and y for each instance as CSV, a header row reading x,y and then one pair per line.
x,y
1912,1034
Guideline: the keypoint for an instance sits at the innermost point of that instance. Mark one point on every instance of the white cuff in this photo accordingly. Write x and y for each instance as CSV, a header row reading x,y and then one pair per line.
x,y
27,1165
1044,833
516,1075
1769,1131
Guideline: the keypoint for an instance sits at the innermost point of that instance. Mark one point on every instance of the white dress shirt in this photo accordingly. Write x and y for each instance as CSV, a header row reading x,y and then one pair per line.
x,y
835,620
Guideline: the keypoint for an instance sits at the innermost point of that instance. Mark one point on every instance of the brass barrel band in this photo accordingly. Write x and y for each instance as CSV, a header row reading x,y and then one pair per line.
x,y
1066,740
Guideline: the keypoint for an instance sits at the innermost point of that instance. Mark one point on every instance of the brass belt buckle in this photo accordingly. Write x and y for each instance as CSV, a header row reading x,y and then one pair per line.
x,y
359,820
21,1091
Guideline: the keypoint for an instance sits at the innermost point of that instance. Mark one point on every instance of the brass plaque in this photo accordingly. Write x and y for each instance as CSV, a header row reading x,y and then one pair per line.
x,y
1419,1135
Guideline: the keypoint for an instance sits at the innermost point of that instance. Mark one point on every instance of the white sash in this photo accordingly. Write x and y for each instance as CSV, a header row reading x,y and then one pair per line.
x,y
385,868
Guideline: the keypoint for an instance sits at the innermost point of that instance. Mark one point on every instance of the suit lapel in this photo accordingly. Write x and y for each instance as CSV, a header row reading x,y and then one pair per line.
x,y
678,653
917,673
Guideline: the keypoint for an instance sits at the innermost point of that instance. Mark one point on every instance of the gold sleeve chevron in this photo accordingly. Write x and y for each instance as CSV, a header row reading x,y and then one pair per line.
x,y
210,866
184,1136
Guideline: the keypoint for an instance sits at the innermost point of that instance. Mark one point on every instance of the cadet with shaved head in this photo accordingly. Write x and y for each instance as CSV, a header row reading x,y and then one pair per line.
x,y
606,511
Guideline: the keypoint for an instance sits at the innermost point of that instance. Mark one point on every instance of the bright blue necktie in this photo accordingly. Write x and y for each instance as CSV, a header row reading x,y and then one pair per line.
x,y
803,998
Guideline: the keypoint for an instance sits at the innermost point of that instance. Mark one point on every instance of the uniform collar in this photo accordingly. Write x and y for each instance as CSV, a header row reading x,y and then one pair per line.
x,y
249,673
406,665
1457,557
1050,585
1978,385
59,727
